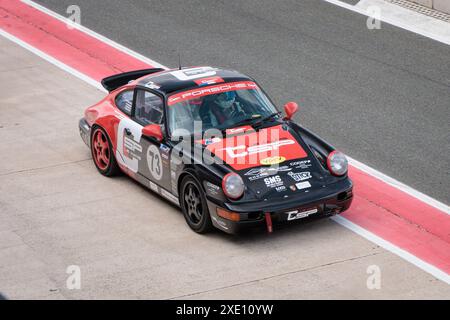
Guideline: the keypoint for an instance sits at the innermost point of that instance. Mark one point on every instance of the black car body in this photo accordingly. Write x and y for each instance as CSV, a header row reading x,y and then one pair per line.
x,y
285,172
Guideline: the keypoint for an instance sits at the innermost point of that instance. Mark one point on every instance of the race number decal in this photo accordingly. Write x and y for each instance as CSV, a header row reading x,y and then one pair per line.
x,y
154,162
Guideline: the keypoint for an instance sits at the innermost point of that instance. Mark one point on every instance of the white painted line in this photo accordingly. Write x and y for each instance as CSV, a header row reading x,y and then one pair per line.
x,y
439,274
95,35
342,221
390,15
52,60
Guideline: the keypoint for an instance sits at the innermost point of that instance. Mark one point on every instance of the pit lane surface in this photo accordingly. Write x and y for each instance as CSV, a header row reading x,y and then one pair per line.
x,y
381,96
56,211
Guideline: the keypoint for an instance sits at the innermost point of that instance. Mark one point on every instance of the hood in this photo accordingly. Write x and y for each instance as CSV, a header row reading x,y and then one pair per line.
x,y
272,162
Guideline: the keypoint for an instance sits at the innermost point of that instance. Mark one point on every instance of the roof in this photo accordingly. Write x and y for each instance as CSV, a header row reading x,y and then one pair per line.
x,y
169,81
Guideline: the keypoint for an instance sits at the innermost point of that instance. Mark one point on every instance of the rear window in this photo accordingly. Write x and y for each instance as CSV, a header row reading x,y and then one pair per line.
x,y
124,101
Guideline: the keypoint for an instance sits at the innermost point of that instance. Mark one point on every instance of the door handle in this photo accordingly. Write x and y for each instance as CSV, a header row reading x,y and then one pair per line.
x,y
127,131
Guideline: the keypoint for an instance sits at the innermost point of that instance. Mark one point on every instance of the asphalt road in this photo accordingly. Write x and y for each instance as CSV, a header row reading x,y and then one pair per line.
x,y
381,96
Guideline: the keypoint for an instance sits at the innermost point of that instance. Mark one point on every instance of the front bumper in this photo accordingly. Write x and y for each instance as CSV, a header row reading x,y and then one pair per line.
x,y
253,216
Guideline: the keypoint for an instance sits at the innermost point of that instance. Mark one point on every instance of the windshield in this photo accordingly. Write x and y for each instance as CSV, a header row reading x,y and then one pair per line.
x,y
220,106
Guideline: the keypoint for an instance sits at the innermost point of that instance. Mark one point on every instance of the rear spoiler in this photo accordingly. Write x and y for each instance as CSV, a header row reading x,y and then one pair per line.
x,y
111,83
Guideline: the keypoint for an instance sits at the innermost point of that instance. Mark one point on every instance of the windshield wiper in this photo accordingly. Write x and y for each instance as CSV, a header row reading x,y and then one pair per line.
x,y
248,120
257,117
261,121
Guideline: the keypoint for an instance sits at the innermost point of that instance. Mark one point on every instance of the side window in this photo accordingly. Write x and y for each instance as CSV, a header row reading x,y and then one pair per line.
x,y
149,108
124,101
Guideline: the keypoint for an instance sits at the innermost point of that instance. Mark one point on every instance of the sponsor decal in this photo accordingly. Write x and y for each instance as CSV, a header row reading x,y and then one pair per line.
x,y
280,188
273,182
119,115
272,160
154,162
220,223
201,92
164,151
211,140
169,196
194,73
303,164
238,130
154,187
209,80
130,147
258,173
300,176
212,189
303,185
173,181
128,106
266,171
151,85
164,148
293,215
242,150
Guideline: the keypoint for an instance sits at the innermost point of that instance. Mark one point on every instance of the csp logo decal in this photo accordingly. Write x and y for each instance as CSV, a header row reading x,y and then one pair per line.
x,y
243,151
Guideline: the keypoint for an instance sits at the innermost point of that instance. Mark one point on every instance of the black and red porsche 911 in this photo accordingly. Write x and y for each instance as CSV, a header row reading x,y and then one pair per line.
x,y
212,142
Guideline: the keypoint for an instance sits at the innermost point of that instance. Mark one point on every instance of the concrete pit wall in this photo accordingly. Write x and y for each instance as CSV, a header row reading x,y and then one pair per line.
x,y
440,5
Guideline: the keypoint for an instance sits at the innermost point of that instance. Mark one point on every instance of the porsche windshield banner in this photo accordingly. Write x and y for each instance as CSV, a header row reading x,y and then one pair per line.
x,y
201,92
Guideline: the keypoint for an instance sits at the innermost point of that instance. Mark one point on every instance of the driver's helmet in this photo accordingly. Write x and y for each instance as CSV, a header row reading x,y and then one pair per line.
x,y
226,99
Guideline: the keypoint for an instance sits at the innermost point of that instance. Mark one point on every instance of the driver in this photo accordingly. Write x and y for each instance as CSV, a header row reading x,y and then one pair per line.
x,y
225,107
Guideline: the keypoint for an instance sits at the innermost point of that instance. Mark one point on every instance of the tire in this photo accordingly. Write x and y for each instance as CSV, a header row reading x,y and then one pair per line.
x,y
102,153
194,206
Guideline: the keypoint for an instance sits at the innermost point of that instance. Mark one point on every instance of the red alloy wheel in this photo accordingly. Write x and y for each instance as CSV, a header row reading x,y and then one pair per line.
x,y
100,150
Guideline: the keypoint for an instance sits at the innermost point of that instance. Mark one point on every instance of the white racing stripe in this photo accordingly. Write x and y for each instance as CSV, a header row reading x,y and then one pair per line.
x,y
340,220
402,18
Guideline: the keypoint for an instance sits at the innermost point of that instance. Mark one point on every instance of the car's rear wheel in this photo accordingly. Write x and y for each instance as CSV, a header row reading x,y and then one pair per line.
x,y
194,206
102,153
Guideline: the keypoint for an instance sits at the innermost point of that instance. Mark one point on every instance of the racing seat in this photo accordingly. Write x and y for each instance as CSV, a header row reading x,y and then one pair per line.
x,y
206,116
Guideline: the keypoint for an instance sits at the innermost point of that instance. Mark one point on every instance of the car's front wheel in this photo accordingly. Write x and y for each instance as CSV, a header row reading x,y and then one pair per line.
x,y
194,206
102,153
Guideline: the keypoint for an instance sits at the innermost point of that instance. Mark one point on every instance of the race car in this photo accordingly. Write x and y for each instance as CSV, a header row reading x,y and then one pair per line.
x,y
212,142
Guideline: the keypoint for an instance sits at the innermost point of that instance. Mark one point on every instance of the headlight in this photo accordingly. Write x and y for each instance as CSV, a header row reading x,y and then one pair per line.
x,y
232,185
337,163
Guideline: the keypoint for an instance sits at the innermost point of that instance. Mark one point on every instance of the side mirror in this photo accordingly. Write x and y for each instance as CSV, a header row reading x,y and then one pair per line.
x,y
290,109
153,131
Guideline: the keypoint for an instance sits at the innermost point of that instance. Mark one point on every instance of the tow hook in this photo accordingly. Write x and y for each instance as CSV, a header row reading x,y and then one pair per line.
x,y
269,222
